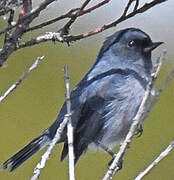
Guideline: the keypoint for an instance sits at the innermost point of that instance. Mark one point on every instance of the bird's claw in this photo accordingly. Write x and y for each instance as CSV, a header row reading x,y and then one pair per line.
x,y
139,131
120,163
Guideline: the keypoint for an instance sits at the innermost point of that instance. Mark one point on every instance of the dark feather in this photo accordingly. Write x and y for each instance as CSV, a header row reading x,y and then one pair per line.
x,y
20,157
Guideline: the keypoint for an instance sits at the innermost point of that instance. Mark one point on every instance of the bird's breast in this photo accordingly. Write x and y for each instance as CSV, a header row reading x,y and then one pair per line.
x,y
123,99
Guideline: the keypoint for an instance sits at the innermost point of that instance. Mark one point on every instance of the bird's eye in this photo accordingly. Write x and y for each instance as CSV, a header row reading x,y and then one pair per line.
x,y
131,43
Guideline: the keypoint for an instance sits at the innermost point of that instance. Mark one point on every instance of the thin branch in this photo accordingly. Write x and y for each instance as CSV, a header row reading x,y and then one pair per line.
x,y
122,18
23,22
142,9
66,27
85,4
46,155
115,23
162,155
127,7
22,77
29,15
158,93
7,6
11,16
10,20
167,81
49,36
69,127
137,120
28,5
136,5
71,38
4,11
12,42
114,167
35,12
85,11
67,15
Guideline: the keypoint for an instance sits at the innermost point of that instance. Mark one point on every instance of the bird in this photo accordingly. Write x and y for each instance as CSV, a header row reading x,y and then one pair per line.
x,y
105,101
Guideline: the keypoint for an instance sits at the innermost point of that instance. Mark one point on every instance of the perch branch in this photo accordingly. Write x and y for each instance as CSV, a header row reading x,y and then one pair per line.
x,y
137,120
169,78
46,155
69,127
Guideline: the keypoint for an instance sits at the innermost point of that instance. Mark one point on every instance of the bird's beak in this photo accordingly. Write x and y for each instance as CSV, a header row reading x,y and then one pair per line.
x,y
152,46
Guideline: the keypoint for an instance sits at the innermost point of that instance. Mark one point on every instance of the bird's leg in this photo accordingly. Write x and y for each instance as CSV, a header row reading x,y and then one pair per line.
x,y
120,163
110,152
106,149
139,131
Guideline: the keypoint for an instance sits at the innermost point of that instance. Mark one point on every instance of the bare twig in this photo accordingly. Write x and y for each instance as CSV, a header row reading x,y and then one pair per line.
x,y
64,16
71,38
122,18
49,36
6,6
56,138
27,16
136,5
27,5
10,19
69,127
22,77
66,27
85,11
162,155
114,167
127,7
169,78
158,93
46,155
23,22
69,14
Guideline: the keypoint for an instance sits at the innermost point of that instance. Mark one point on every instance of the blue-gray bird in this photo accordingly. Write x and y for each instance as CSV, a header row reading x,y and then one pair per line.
x,y
105,101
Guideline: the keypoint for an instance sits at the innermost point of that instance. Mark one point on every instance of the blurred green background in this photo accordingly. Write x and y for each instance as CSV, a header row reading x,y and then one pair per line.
x,y
36,102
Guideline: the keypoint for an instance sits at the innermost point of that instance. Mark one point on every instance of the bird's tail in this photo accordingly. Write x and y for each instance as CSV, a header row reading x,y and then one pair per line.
x,y
20,157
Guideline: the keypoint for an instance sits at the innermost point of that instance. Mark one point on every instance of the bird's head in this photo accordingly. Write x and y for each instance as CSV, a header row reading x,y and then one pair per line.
x,y
129,48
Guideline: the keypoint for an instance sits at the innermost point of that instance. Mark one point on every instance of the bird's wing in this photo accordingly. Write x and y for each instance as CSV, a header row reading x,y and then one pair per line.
x,y
88,106
102,102
87,127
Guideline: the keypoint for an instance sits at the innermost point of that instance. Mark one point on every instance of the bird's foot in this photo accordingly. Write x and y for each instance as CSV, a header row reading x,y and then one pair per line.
x,y
106,149
120,163
139,131
111,153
